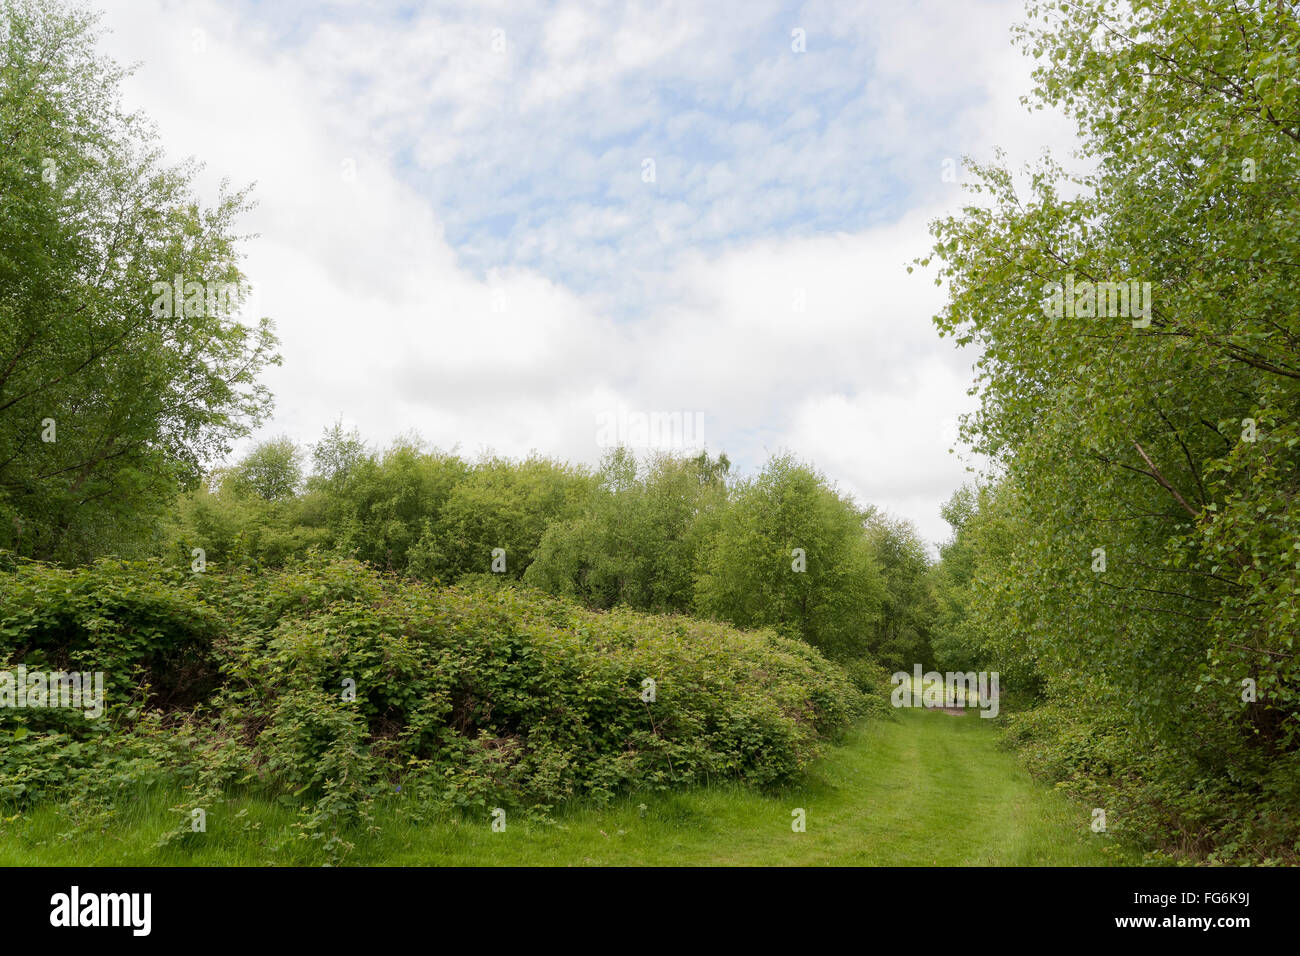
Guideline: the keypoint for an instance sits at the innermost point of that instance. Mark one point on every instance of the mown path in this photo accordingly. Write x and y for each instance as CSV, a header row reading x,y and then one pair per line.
x,y
925,789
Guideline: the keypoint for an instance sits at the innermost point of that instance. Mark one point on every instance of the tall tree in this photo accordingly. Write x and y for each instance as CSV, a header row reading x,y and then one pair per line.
x,y
1140,378
901,634
123,368
641,533
272,471
790,553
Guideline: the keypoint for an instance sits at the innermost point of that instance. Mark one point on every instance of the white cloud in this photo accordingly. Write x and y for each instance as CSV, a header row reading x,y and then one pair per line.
x,y
391,325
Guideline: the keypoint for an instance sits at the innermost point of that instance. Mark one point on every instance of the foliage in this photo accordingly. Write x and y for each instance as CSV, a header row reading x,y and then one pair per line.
x,y
639,537
668,534
108,400
902,634
475,697
1138,550
272,471
790,553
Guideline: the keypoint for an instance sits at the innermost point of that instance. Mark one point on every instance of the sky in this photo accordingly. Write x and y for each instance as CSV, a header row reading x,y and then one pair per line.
x,y
523,228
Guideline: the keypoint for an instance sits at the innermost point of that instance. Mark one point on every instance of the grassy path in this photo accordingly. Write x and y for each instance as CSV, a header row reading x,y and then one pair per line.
x,y
927,789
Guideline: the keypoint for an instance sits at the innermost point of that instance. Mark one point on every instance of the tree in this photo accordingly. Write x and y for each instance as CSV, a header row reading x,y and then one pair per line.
x,y
122,366
501,510
272,471
901,634
381,506
1140,380
639,537
337,454
790,553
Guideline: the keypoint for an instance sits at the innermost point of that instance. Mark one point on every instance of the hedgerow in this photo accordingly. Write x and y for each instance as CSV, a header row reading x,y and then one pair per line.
x,y
1153,798
330,684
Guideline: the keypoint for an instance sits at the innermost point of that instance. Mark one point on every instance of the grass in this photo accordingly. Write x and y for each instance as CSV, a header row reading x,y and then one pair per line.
x,y
926,789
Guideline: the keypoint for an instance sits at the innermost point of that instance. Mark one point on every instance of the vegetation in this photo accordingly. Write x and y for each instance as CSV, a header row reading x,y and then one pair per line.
x,y
343,644
330,684
670,534
924,790
111,393
1136,555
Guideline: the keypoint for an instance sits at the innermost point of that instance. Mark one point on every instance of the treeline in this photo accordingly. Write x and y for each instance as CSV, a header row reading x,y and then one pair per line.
x,y
1135,561
664,533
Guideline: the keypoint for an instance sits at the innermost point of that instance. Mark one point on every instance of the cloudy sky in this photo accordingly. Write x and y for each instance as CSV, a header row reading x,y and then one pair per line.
x,y
504,225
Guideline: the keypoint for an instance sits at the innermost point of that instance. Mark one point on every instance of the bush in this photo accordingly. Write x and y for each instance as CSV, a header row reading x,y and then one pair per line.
x,y
1153,797
331,683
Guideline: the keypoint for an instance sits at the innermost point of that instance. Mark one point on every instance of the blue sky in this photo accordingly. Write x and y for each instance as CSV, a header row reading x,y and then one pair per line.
x,y
455,234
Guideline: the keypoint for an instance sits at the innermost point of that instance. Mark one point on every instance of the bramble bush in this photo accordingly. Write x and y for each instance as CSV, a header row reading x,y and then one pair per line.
x,y
331,683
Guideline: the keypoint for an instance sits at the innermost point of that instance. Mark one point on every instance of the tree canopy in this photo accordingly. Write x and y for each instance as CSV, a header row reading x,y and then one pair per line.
x,y
1140,549
112,394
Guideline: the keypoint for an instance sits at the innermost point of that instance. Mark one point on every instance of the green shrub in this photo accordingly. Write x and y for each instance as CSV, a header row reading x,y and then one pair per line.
x,y
1153,797
476,696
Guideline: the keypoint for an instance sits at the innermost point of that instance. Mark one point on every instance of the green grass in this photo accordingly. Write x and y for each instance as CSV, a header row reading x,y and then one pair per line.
x,y
927,789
